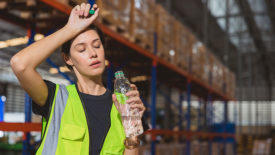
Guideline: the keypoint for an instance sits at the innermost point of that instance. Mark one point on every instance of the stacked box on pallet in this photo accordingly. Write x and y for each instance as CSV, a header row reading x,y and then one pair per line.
x,y
142,29
229,80
231,84
211,61
163,149
204,148
116,14
195,148
199,59
217,148
226,79
164,29
229,149
207,67
179,149
183,44
217,75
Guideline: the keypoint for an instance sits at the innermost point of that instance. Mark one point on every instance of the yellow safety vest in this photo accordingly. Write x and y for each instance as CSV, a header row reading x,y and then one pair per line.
x,y
67,133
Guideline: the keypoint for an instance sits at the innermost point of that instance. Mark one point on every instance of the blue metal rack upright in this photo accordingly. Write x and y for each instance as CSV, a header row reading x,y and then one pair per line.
x,y
188,98
2,107
210,119
225,121
153,93
181,99
110,74
199,115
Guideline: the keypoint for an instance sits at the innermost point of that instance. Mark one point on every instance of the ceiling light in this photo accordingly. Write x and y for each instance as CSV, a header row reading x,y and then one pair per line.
x,y
139,78
53,71
19,41
62,69
38,37
3,98
172,52
3,44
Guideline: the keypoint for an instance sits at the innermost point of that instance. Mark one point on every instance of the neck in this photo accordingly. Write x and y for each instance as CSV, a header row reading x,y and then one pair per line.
x,y
91,85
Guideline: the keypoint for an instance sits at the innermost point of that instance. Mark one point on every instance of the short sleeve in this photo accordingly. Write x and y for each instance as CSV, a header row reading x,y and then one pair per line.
x,y
44,110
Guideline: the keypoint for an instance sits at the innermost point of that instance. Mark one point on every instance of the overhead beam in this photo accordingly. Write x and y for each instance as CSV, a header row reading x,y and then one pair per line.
x,y
257,39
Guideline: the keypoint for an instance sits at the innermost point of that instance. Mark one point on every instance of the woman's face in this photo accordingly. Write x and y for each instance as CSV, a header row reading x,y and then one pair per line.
x,y
87,54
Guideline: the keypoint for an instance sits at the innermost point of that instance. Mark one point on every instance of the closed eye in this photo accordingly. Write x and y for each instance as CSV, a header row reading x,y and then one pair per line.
x,y
96,43
80,47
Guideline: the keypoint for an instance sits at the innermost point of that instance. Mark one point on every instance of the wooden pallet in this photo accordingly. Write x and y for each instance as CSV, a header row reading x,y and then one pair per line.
x,y
142,43
119,28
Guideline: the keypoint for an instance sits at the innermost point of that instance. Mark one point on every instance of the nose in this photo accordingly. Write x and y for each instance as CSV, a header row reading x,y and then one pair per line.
x,y
92,52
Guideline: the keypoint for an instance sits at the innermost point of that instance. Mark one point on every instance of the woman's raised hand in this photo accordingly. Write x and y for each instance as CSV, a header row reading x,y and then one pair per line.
x,y
80,18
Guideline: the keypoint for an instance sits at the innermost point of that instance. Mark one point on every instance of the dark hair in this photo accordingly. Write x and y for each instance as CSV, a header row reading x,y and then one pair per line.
x,y
65,48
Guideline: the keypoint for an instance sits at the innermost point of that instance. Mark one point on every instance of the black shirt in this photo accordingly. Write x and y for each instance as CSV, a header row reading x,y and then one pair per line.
x,y
98,110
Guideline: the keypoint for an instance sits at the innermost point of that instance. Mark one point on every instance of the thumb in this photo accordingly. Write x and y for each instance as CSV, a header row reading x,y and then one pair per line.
x,y
115,102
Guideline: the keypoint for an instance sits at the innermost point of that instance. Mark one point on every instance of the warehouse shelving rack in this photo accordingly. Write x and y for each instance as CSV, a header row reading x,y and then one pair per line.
x,y
160,68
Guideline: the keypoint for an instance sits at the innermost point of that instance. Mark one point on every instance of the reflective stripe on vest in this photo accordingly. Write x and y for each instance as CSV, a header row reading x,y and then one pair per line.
x,y
67,131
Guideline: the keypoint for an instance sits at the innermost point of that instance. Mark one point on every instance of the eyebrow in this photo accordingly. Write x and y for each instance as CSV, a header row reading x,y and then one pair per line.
x,y
79,44
95,40
85,43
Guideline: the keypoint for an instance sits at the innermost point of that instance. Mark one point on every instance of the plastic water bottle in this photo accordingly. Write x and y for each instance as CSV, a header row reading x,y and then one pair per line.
x,y
131,118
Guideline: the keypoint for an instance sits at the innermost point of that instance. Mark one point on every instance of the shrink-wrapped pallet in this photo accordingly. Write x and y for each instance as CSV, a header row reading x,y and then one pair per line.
x,y
165,31
116,14
142,23
183,40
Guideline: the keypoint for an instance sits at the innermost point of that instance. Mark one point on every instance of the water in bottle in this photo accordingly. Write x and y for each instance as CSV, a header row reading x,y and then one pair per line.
x,y
131,118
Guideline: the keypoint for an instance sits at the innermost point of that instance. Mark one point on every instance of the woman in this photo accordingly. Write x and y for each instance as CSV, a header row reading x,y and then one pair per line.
x,y
81,118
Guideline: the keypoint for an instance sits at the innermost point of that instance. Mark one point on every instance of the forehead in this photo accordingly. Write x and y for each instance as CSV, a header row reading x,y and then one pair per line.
x,y
86,36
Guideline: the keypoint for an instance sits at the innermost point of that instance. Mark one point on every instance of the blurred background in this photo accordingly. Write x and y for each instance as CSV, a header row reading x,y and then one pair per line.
x,y
203,68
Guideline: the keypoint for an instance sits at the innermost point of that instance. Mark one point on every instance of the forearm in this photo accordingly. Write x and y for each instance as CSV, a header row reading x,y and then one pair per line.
x,y
131,152
36,53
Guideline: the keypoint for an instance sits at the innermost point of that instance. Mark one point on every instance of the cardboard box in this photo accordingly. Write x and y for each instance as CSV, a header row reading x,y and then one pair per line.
x,y
164,29
116,13
142,23
183,40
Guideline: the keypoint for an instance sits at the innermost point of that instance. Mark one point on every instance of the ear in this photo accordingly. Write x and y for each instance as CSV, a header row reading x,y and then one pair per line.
x,y
67,59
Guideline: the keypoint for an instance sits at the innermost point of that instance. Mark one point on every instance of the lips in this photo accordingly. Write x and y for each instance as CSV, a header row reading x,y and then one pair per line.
x,y
95,63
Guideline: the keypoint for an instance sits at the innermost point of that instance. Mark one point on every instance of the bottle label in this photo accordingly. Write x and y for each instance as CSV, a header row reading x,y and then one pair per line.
x,y
121,98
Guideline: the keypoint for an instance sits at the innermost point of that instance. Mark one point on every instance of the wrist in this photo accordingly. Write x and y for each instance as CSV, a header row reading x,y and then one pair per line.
x,y
131,142
70,30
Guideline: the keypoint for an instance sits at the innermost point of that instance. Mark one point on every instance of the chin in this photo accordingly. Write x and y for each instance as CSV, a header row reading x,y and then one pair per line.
x,y
96,72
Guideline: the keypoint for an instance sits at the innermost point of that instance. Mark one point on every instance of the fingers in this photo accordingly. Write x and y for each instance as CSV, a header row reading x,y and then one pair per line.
x,y
95,7
134,87
133,100
132,93
87,10
84,8
141,107
115,101
76,9
83,11
93,17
